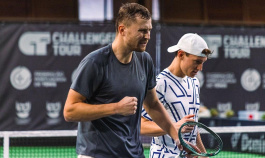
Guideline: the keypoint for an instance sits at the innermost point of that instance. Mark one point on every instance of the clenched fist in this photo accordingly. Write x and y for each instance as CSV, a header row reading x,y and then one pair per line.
x,y
127,106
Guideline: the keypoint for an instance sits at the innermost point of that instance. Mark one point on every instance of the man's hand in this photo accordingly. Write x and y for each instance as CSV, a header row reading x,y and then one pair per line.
x,y
126,106
185,119
180,147
189,152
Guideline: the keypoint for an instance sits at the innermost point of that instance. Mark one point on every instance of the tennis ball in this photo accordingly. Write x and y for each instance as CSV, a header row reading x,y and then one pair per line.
x,y
229,113
214,112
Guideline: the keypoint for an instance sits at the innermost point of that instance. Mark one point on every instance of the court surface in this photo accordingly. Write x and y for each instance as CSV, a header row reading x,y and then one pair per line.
x,y
69,152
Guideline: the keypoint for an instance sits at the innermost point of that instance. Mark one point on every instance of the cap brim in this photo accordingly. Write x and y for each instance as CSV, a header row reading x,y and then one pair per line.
x,y
173,49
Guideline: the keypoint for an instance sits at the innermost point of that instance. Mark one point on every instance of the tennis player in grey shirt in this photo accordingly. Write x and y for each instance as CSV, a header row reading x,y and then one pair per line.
x,y
110,87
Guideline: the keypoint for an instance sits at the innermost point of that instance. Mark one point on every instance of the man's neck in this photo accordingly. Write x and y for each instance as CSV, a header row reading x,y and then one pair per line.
x,y
175,69
122,53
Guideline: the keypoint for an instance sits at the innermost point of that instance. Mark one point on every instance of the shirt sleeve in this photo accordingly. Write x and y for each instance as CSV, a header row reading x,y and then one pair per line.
x,y
151,73
87,78
160,91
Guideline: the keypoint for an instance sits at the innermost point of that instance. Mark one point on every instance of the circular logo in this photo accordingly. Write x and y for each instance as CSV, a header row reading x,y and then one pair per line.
x,y
250,80
200,78
20,78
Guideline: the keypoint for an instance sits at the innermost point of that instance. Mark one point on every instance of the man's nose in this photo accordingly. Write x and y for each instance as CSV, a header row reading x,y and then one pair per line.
x,y
199,67
147,35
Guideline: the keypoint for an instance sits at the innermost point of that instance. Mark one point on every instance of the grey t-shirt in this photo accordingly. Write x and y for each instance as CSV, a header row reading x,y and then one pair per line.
x,y
101,78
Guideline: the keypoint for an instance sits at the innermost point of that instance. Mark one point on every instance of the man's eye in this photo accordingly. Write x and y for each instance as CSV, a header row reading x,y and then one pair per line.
x,y
198,62
144,31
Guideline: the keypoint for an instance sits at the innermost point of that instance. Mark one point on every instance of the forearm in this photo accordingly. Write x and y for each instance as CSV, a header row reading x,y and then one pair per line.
x,y
150,128
160,116
76,109
199,143
87,112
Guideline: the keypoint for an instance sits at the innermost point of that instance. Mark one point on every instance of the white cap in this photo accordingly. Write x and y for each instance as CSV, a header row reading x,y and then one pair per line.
x,y
190,43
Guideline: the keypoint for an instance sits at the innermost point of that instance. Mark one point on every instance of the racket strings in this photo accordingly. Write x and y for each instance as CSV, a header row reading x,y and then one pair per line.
x,y
211,144
200,141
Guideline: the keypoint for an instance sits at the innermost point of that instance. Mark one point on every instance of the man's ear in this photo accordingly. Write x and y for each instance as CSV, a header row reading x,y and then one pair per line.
x,y
181,54
121,30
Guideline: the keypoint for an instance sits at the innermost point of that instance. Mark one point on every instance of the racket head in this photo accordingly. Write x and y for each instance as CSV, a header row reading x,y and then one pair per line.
x,y
208,137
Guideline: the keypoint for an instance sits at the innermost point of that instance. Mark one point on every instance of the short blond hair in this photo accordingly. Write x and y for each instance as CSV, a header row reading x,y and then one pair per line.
x,y
128,13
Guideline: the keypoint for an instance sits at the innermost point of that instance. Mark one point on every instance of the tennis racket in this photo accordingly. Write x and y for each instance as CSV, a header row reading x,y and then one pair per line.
x,y
202,141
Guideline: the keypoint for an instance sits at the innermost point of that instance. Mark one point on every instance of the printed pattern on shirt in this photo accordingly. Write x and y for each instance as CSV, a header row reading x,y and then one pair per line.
x,y
180,97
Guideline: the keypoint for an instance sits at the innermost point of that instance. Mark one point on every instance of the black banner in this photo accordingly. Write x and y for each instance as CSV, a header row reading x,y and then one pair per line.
x,y
38,61
243,142
36,66
234,77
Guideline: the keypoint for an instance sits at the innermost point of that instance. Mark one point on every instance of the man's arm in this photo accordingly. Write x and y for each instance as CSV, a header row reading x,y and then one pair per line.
x,y
76,109
159,115
200,144
150,128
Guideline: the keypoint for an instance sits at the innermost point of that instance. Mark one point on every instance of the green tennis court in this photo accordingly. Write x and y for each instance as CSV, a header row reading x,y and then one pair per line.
x,y
69,152
222,154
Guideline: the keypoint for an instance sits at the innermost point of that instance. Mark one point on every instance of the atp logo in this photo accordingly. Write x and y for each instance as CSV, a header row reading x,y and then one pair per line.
x,y
34,43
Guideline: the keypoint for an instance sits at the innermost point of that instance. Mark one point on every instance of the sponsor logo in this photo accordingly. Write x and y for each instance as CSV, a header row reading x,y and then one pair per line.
x,y
220,80
34,43
53,112
250,80
248,142
235,139
23,109
251,145
48,78
223,108
213,42
234,46
238,46
20,78
252,106
62,43
23,112
53,109
237,53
